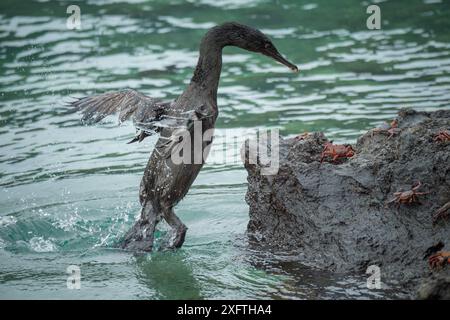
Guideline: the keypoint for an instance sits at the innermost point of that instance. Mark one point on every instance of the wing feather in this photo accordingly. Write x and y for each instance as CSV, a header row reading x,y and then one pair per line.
x,y
149,115
126,103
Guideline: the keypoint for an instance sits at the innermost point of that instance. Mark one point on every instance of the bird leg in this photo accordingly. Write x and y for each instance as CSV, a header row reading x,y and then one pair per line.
x,y
178,228
141,236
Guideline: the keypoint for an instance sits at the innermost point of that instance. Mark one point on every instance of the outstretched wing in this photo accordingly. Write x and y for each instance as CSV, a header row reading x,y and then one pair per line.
x,y
126,102
149,115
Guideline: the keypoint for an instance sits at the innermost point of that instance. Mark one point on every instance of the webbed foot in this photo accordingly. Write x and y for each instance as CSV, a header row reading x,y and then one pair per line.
x,y
177,237
140,237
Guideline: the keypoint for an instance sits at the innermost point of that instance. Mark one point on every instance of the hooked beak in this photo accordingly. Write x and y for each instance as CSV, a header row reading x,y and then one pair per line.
x,y
274,54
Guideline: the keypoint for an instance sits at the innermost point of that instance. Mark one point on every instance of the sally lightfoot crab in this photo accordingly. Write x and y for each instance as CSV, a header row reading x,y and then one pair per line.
x,y
336,151
408,197
439,260
391,129
302,136
442,136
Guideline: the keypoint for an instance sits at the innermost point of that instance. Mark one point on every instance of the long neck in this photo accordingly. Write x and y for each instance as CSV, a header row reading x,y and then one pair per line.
x,y
207,73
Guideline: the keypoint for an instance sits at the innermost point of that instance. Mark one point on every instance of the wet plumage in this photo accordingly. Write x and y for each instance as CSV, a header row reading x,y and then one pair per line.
x,y
165,183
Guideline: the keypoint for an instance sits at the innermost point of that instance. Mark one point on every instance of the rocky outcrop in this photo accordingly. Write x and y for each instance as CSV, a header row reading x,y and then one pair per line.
x,y
337,215
435,287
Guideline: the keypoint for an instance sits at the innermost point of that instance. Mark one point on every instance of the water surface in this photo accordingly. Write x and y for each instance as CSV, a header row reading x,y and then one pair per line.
x,y
68,192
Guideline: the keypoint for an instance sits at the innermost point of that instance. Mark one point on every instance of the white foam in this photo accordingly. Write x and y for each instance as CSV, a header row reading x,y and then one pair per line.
x,y
39,244
7,220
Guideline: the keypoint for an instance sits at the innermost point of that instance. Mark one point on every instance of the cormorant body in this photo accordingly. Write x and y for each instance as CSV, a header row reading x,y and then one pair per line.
x,y
164,182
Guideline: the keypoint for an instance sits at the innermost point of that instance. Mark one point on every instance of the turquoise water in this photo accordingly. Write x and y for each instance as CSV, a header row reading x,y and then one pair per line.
x,y
69,192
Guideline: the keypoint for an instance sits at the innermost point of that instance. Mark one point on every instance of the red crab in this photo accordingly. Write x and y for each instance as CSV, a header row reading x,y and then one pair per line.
x,y
391,129
394,129
439,260
302,136
336,151
442,136
408,197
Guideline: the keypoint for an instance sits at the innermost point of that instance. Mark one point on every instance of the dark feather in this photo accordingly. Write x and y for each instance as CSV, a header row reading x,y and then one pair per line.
x,y
149,115
128,104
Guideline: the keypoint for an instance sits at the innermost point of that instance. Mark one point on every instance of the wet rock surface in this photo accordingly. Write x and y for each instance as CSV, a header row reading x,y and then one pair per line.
x,y
336,216
435,287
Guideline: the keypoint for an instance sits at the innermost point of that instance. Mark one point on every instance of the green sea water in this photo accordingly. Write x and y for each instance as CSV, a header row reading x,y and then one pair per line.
x,y
69,192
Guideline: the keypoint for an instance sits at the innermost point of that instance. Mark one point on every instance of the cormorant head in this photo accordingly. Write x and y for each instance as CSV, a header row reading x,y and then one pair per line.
x,y
248,38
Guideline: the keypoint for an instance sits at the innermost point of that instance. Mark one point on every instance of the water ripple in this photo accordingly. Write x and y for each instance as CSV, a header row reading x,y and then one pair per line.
x,y
69,192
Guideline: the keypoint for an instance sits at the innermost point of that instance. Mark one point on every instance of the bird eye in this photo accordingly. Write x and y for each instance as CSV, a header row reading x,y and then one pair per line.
x,y
267,45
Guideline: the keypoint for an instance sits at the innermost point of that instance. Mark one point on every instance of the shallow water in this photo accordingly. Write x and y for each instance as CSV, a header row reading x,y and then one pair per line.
x,y
69,192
